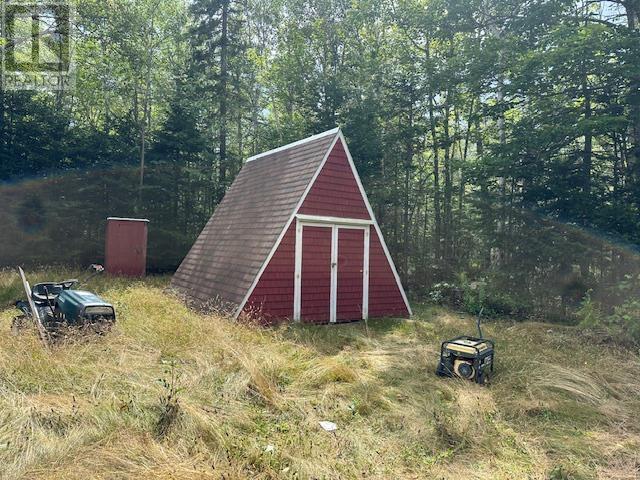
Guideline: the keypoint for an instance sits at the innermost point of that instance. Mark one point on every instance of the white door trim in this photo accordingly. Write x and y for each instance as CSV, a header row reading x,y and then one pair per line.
x,y
365,274
333,298
297,279
353,222
335,235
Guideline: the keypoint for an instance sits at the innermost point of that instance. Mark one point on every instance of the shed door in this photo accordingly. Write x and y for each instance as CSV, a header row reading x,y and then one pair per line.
x,y
332,277
350,288
315,288
126,247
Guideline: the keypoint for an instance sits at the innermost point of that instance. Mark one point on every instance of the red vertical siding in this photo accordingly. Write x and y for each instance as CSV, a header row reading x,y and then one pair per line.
x,y
125,251
316,274
335,192
273,296
350,273
385,299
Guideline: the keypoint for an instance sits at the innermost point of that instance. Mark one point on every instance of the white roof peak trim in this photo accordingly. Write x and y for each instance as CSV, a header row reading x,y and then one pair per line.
x,y
125,219
333,131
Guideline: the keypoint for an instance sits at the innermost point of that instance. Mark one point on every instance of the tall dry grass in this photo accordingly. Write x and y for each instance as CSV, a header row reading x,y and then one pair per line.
x,y
170,393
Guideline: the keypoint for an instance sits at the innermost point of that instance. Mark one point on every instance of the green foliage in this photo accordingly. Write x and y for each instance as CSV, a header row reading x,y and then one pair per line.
x,y
589,314
471,297
494,301
444,293
627,318
623,320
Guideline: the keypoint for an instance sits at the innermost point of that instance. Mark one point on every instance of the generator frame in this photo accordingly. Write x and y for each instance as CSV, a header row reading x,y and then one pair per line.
x,y
477,356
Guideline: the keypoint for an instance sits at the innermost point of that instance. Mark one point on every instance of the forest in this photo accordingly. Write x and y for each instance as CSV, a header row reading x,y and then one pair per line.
x,y
499,142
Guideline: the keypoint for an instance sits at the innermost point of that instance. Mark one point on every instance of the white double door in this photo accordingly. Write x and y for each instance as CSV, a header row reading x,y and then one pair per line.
x,y
331,271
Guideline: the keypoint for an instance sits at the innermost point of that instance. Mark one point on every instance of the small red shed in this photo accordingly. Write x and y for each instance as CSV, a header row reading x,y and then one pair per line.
x,y
125,251
295,238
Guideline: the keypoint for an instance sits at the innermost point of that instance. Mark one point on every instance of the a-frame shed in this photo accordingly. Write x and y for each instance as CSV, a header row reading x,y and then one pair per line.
x,y
295,238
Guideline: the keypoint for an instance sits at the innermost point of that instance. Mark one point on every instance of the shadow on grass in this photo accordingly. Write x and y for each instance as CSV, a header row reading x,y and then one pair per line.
x,y
331,339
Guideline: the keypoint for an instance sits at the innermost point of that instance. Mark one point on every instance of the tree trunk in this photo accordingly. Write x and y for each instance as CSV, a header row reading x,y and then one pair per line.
x,y
448,187
632,8
222,92
588,143
616,172
146,120
463,162
437,230
425,227
2,122
407,184
240,143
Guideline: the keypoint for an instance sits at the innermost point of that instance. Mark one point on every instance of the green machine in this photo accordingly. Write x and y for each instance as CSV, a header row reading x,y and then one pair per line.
x,y
54,304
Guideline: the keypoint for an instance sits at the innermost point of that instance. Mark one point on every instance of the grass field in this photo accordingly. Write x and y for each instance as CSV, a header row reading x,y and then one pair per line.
x,y
173,394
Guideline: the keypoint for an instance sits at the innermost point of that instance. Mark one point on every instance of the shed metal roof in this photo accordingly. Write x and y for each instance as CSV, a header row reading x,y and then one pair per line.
x,y
227,256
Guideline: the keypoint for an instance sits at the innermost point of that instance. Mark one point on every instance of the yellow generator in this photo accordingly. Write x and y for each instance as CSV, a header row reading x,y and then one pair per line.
x,y
467,357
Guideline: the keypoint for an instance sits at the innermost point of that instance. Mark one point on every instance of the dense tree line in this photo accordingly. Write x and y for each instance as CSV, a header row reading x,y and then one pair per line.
x,y
494,137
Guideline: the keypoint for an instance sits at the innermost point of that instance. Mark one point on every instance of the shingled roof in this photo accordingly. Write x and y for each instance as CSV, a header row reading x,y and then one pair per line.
x,y
227,256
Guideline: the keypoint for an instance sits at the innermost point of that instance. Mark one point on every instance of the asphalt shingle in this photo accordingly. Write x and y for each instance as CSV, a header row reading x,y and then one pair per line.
x,y
235,243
